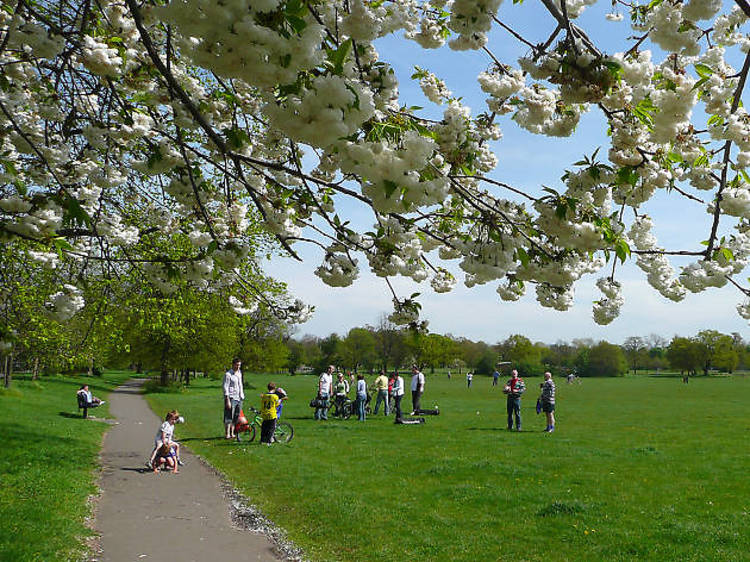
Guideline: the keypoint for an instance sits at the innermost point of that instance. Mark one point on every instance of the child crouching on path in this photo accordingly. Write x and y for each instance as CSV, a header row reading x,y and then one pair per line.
x,y
164,437
268,403
165,455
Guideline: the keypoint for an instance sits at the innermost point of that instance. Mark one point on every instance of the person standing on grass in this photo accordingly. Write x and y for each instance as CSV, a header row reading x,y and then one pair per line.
x,y
548,401
268,403
325,386
341,389
469,377
417,389
361,397
381,384
234,394
514,388
495,377
398,393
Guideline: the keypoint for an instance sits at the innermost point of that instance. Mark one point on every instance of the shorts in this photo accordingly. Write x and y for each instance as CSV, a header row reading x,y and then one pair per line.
x,y
548,407
233,412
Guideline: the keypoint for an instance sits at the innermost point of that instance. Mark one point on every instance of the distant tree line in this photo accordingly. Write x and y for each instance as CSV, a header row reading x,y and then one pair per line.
x,y
385,346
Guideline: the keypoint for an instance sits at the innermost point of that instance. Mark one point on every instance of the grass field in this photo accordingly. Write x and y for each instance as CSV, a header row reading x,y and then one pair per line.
x,y
640,468
48,466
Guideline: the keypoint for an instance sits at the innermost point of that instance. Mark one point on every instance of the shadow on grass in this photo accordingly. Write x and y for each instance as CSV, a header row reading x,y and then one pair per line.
x,y
492,429
214,438
71,416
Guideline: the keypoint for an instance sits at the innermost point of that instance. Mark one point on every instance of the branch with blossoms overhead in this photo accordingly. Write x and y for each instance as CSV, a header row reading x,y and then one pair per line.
x,y
127,119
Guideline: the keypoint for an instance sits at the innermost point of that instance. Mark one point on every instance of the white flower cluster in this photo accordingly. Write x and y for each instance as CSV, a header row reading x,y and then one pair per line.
x,y
511,290
471,19
434,89
240,308
338,269
608,308
559,298
500,86
330,109
228,39
63,305
543,112
462,141
100,58
659,272
443,281
393,172
404,313
735,201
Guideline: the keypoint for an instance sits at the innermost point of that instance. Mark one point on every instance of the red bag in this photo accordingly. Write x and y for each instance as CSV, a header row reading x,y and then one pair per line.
x,y
242,421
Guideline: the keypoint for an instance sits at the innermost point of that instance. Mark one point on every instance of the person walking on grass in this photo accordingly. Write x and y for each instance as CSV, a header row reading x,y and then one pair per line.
x,y
514,388
548,401
234,394
417,389
469,377
398,393
361,397
325,386
495,377
381,385
268,413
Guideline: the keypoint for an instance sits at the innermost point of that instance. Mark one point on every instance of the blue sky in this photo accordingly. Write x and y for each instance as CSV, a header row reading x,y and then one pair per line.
x,y
526,161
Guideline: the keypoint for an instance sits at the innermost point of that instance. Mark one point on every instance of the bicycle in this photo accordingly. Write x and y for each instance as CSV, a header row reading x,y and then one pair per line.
x,y
283,433
344,410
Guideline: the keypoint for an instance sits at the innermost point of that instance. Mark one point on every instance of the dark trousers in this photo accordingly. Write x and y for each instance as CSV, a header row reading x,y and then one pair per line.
x,y
416,397
514,410
266,430
397,404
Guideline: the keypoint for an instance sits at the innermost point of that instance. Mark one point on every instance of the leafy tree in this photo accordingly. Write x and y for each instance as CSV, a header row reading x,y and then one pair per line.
x,y
605,360
636,352
358,349
685,354
525,356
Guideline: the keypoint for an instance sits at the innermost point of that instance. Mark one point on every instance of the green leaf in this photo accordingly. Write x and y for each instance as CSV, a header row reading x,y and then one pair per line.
x,y
704,71
522,256
390,187
338,57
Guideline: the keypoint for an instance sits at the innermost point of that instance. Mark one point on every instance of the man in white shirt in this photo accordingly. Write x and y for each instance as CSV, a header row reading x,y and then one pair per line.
x,y
234,394
325,384
417,389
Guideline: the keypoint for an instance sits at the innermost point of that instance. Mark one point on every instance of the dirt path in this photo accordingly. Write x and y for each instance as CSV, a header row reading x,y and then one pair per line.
x,y
144,516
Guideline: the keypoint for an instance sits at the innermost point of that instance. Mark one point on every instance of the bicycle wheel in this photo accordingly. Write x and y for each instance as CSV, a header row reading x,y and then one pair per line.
x,y
283,433
247,435
348,409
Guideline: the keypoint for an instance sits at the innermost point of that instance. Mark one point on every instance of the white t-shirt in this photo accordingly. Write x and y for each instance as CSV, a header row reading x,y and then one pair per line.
x,y
469,376
167,430
233,385
417,381
361,387
326,382
398,386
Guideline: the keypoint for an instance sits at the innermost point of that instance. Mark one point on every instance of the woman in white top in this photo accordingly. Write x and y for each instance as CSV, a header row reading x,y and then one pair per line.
x,y
398,393
361,397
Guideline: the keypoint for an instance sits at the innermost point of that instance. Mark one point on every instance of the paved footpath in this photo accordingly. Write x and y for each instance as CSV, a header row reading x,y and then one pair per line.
x,y
145,516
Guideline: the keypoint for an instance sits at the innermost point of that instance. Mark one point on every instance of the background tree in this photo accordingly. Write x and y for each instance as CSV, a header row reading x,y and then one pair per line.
x,y
605,360
685,354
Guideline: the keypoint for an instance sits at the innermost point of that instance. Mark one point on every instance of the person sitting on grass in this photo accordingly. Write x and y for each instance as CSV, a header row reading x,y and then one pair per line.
x,y
164,436
268,403
89,400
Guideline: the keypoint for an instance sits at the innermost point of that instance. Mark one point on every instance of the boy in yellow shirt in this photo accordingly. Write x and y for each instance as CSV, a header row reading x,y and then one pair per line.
x,y
268,403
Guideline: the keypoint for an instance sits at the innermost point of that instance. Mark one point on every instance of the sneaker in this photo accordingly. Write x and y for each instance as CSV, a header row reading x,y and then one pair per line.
x,y
180,463
149,465
102,402
551,429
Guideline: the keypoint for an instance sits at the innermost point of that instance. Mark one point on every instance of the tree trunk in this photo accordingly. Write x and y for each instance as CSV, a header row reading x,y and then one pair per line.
x,y
9,370
90,371
35,370
6,380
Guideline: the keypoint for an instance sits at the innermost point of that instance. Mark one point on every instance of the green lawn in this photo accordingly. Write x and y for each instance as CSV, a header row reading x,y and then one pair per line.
x,y
48,466
639,468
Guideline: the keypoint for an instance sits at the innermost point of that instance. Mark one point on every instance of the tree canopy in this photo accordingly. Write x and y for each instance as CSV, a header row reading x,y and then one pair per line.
x,y
129,127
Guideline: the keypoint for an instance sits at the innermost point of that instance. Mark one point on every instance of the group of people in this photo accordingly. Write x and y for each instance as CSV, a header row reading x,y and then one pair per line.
x,y
390,392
